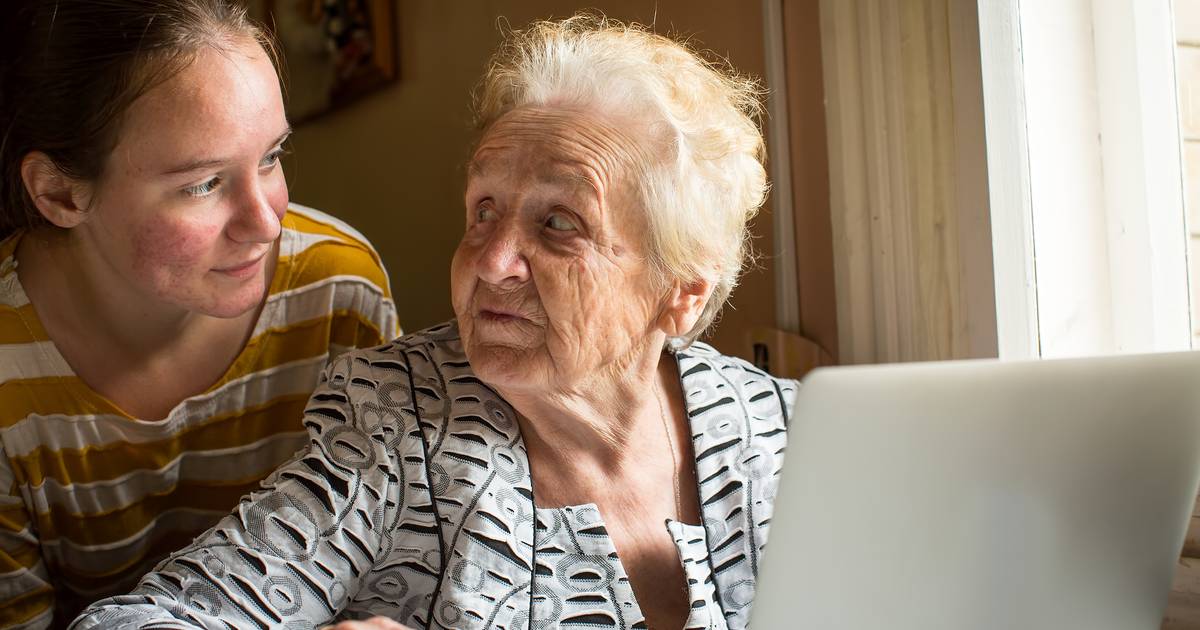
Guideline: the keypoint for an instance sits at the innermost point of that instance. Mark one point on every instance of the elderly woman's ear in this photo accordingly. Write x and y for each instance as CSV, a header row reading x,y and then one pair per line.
x,y
683,306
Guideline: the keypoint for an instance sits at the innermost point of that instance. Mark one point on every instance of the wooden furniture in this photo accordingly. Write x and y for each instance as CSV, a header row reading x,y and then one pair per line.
x,y
1183,604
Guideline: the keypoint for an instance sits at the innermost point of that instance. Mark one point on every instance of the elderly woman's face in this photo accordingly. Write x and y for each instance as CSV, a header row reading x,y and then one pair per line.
x,y
550,283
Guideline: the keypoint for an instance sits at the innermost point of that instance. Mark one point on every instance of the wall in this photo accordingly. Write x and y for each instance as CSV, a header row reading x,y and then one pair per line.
x,y
908,193
1183,607
1187,60
391,164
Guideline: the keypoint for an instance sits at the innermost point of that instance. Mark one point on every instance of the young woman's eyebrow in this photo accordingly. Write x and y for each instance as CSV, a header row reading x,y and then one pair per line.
x,y
208,163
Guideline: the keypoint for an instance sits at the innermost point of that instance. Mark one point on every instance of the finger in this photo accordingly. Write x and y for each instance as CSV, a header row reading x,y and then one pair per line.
x,y
384,623
374,623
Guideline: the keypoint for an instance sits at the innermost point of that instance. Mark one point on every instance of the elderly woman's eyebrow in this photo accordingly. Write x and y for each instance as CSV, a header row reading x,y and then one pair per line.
x,y
476,167
570,179
567,178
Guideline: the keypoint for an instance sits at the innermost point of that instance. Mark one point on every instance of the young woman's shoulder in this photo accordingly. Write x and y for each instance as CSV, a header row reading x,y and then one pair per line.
x,y
316,245
320,255
26,354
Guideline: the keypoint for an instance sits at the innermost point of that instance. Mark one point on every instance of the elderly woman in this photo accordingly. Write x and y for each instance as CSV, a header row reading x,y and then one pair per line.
x,y
563,454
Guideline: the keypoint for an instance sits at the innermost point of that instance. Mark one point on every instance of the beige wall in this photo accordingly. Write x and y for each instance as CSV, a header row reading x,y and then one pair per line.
x,y
391,164
1183,604
1187,71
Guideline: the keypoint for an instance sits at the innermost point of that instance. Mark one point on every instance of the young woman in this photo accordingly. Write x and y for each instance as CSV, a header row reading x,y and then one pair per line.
x,y
164,313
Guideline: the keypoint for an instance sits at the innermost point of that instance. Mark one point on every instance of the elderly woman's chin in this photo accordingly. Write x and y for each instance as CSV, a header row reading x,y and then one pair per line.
x,y
507,353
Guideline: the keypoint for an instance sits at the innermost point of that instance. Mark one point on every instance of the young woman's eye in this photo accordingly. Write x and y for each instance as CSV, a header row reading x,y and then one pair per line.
x,y
203,189
272,158
560,223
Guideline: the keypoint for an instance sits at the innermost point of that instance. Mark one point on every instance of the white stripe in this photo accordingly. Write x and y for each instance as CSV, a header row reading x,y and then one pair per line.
x,y
100,558
293,242
61,431
224,465
6,478
320,217
15,541
11,293
37,359
319,299
42,620
23,580
120,584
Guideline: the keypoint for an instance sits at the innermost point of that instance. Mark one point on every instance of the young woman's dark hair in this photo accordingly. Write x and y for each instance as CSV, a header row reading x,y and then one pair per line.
x,y
69,69
165,310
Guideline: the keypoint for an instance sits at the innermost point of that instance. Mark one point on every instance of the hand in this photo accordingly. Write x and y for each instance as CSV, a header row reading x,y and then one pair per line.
x,y
374,623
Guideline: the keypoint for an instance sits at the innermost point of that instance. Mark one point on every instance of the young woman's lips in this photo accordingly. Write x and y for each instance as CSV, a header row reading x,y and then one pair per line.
x,y
243,270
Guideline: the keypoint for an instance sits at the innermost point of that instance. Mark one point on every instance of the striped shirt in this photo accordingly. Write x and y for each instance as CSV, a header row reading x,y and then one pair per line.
x,y
416,502
94,497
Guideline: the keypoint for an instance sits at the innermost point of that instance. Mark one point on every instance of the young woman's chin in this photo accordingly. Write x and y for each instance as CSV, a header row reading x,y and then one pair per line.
x,y
224,302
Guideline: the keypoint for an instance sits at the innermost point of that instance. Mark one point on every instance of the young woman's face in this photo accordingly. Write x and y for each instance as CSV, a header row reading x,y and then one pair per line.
x,y
189,206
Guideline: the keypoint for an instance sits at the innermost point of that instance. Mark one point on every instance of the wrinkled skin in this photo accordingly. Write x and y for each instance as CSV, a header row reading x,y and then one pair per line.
x,y
560,312
550,283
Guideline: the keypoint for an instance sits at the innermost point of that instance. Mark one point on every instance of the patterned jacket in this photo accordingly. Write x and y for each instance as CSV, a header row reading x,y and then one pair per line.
x,y
414,501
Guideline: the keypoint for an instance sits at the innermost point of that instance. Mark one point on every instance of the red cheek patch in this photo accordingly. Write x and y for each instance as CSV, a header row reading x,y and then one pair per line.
x,y
167,248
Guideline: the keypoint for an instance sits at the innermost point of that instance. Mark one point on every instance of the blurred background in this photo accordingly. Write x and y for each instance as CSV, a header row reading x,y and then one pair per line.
x,y
391,162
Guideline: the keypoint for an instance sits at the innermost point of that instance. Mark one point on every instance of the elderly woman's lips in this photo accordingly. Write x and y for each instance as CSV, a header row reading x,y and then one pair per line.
x,y
498,316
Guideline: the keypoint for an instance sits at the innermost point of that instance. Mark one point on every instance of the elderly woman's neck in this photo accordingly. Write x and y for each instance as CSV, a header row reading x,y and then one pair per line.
x,y
599,420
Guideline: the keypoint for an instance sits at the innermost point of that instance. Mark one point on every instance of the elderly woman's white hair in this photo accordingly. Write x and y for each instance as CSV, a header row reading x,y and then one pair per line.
x,y
709,181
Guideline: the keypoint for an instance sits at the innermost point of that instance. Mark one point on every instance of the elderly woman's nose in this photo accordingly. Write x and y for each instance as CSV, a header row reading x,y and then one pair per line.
x,y
502,260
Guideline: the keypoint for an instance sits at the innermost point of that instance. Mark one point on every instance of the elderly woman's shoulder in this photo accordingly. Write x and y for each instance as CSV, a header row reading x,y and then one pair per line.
x,y
711,378
704,367
400,360
702,353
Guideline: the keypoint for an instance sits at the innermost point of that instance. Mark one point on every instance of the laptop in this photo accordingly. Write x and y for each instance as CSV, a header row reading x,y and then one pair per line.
x,y
984,495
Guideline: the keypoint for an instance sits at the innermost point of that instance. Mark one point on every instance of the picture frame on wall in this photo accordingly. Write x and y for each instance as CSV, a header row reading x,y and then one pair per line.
x,y
332,52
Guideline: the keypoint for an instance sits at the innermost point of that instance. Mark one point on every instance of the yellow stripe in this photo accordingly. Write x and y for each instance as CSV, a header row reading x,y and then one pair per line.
x,y
50,395
68,395
301,340
350,256
308,225
24,558
344,255
20,325
163,545
13,519
98,463
330,258
110,527
26,606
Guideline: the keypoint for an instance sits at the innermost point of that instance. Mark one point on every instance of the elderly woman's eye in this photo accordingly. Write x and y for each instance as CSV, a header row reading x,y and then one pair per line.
x,y
559,223
484,213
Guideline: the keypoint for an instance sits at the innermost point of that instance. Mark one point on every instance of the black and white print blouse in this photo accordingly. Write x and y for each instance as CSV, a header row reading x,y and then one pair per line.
x,y
415,502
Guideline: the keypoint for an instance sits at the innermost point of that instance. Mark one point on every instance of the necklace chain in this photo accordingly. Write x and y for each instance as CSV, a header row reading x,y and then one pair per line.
x,y
662,411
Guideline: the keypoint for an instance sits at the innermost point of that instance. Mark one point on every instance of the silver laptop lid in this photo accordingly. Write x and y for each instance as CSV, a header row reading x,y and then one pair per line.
x,y
981,494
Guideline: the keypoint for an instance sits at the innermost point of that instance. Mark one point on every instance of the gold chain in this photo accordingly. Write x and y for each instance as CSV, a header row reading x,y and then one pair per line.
x,y
674,460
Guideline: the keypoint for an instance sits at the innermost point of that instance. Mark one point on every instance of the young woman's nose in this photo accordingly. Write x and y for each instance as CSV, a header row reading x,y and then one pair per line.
x,y
255,219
